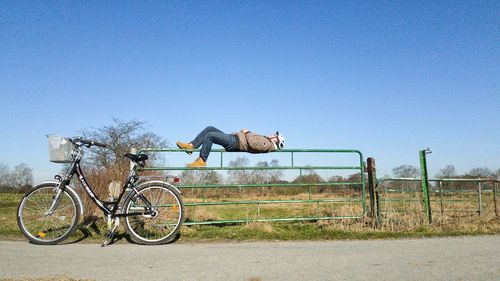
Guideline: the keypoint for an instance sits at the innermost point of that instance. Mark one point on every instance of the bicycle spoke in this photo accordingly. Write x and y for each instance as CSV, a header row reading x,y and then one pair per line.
x,y
46,227
163,222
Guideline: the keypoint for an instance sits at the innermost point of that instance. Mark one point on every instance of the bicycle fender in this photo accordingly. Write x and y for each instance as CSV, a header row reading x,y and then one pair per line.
x,y
160,183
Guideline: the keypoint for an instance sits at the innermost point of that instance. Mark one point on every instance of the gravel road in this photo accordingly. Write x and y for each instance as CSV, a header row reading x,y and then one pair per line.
x,y
460,258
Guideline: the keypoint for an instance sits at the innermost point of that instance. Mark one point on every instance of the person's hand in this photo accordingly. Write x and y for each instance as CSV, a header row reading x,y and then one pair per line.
x,y
244,130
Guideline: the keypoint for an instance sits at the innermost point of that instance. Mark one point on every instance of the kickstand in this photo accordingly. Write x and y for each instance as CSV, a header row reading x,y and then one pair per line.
x,y
109,238
111,232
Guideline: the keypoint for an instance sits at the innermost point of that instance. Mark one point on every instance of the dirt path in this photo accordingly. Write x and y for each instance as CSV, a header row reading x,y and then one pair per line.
x,y
462,258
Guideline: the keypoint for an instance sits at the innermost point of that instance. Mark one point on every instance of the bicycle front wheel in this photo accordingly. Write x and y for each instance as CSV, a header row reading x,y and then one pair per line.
x,y
159,223
42,227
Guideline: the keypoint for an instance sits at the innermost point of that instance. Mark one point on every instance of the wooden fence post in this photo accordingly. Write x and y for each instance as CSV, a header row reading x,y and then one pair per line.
x,y
372,179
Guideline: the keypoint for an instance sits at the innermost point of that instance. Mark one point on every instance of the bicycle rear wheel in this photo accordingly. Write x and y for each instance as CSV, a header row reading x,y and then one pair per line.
x,y
43,228
168,213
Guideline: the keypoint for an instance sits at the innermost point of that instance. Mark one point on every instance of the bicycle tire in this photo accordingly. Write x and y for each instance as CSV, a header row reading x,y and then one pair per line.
x,y
165,225
43,229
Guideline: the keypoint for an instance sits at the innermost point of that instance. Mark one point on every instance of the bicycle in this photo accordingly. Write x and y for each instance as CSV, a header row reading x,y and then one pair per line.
x,y
50,212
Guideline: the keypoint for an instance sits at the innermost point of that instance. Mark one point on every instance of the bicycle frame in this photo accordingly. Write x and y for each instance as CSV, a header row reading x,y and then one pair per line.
x,y
109,208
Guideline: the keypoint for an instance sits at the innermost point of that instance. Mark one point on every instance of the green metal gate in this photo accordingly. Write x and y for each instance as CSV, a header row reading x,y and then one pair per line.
x,y
301,194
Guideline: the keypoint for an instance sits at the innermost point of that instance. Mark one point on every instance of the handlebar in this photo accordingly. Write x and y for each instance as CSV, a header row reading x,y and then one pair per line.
x,y
89,143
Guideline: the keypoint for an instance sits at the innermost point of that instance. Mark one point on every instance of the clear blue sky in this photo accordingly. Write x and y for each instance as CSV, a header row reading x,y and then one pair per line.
x,y
385,77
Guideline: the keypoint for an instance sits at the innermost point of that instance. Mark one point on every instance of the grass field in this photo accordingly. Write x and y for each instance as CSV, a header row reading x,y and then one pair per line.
x,y
275,206
8,206
93,228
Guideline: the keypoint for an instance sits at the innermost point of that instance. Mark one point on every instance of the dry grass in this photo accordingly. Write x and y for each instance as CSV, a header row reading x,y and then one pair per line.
x,y
259,210
238,196
260,226
201,214
456,213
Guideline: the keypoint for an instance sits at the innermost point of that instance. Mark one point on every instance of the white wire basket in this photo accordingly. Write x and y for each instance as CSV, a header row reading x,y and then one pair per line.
x,y
60,149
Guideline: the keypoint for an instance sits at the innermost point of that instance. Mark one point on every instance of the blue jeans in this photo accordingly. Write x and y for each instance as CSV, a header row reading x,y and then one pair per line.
x,y
211,135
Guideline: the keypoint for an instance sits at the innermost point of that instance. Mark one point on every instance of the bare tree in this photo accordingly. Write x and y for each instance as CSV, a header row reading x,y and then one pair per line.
x,y
266,175
120,137
311,176
4,175
447,172
336,178
406,171
105,165
22,176
275,176
199,177
260,176
498,174
239,176
480,173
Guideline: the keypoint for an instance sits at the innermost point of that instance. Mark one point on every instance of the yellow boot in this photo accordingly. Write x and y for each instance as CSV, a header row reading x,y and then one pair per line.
x,y
188,146
198,163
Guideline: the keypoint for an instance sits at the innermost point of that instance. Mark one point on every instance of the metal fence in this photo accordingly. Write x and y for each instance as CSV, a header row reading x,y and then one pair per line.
x,y
450,200
294,185
319,184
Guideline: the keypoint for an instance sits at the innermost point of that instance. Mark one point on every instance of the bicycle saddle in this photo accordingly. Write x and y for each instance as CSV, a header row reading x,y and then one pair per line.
x,y
136,157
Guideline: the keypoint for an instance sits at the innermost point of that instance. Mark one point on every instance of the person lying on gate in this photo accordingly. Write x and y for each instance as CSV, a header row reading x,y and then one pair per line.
x,y
244,140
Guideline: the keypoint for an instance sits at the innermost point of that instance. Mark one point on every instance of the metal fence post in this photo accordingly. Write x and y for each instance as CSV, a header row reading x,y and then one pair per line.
x,y
495,198
378,212
441,197
479,198
379,215
425,184
372,178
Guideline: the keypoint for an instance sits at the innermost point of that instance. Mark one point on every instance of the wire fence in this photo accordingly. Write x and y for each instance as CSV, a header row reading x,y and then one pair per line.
x,y
400,200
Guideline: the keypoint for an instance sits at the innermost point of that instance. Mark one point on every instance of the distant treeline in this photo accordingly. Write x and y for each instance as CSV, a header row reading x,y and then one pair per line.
x,y
18,179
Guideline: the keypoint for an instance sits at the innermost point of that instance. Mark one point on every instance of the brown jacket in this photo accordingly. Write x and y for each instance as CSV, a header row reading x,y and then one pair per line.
x,y
254,143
